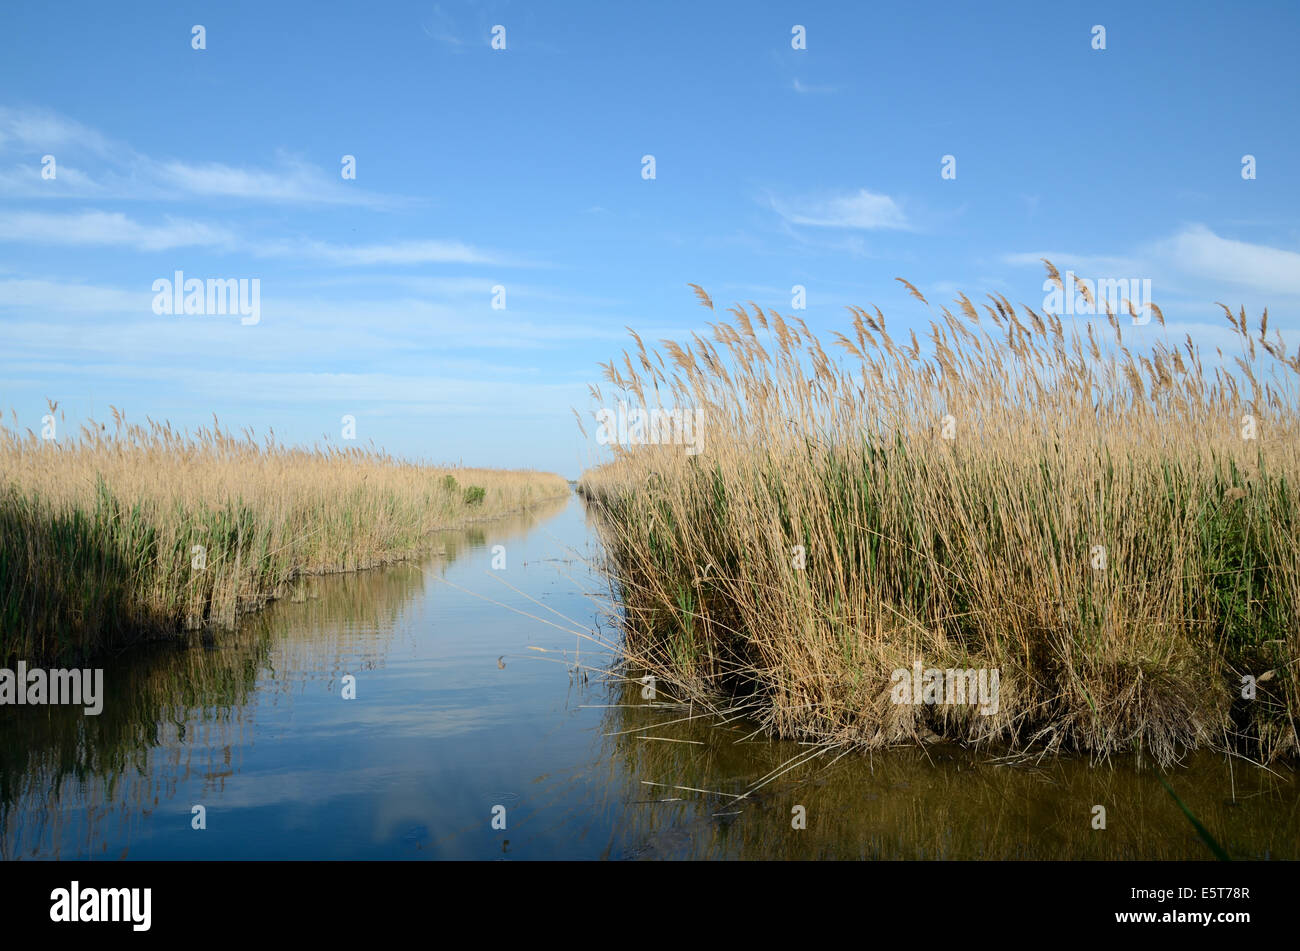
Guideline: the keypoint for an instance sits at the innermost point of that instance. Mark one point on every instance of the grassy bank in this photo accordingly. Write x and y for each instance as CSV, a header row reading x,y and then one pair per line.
x,y
135,532
1102,525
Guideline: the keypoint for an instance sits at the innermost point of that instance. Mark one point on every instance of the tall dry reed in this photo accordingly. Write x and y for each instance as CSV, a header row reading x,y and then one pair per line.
x,y
1114,531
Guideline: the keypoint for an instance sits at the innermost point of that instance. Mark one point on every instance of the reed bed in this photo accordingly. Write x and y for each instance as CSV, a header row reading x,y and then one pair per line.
x,y
142,531
1115,531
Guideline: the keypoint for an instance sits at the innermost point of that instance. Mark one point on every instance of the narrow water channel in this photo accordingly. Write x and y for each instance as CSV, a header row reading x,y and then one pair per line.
x,y
471,707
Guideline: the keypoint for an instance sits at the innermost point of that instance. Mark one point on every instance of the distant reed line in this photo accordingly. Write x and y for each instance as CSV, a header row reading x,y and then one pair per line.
x,y
120,534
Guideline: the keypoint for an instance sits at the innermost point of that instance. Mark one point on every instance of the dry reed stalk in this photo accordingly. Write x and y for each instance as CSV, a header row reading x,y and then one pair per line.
x,y
974,551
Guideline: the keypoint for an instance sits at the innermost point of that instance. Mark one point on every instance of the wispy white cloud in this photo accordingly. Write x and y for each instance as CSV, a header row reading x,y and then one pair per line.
x,y
863,210
440,26
466,289
1192,258
1085,265
105,228
399,252
64,297
291,181
24,181
25,130
303,329
1198,250
123,173
806,89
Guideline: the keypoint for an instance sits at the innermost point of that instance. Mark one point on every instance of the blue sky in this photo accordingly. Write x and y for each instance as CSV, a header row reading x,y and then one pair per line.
x,y
522,168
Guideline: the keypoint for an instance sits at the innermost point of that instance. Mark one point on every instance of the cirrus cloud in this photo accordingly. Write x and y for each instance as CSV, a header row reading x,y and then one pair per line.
x,y
863,210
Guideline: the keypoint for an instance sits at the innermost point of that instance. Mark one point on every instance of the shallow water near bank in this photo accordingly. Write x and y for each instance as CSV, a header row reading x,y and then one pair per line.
x,y
441,738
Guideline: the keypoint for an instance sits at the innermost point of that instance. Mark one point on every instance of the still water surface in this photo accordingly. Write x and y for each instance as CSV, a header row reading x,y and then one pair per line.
x,y
253,727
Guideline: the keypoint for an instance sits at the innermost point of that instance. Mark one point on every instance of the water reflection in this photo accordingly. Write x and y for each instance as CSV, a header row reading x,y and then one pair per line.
x,y
938,803
181,715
